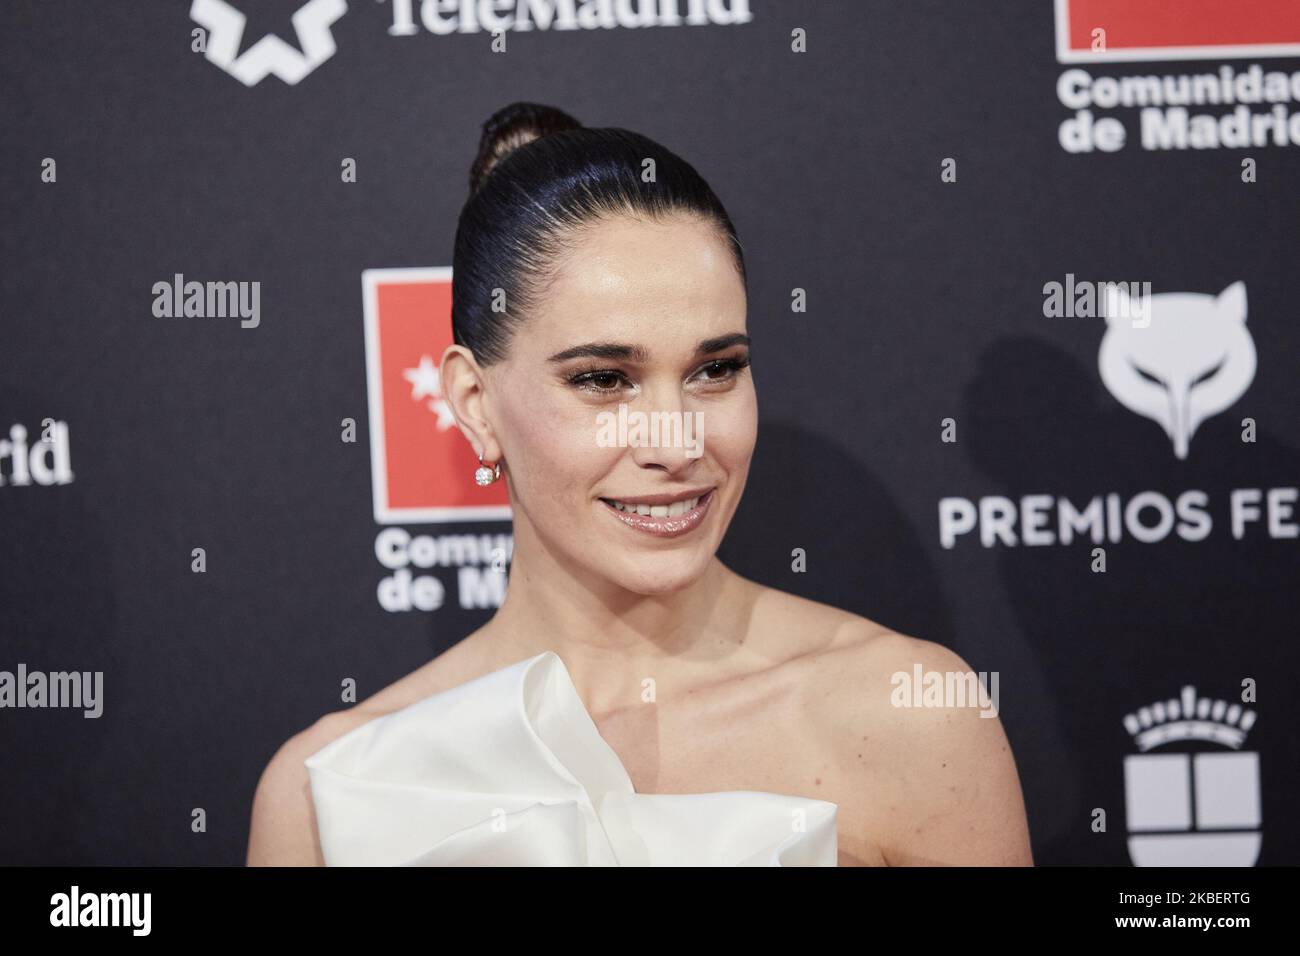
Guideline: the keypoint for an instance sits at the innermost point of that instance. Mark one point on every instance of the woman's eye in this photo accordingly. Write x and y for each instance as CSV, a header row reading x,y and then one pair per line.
x,y
601,380
717,370
722,369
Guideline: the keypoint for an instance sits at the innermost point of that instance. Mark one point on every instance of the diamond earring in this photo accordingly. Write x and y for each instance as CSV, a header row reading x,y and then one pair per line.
x,y
485,475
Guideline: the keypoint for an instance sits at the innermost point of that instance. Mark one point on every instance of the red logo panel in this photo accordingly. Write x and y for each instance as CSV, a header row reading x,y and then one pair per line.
x,y
422,468
1177,29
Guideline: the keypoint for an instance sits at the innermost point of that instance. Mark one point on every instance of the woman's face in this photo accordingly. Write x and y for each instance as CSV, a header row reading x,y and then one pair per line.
x,y
649,316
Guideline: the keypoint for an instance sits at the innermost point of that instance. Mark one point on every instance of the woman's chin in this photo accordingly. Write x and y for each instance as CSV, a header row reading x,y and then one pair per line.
x,y
655,578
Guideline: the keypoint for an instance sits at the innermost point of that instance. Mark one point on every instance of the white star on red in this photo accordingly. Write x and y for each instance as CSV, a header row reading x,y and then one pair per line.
x,y
427,383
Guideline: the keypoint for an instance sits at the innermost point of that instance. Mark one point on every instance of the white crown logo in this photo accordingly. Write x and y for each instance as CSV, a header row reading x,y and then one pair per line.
x,y
1190,718
1192,807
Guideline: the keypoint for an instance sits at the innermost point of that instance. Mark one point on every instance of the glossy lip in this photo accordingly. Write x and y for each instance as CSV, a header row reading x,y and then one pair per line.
x,y
666,527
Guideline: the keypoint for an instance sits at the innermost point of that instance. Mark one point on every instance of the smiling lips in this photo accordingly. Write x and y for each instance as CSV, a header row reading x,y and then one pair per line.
x,y
666,516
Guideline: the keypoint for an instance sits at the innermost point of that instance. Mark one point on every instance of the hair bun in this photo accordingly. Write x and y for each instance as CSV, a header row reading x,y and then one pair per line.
x,y
511,127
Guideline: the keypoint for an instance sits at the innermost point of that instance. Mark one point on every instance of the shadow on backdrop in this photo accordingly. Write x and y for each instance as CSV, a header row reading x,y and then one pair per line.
x,y
1164,614
866,559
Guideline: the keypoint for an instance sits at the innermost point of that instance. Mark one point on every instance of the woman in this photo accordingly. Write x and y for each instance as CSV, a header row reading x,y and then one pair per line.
x,y
595,269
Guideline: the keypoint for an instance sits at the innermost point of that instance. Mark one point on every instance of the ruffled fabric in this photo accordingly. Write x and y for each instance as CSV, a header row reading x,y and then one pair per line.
x,y
509,770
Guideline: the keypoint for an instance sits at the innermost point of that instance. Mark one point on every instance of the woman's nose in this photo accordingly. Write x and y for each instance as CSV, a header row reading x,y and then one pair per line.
x,y
670,435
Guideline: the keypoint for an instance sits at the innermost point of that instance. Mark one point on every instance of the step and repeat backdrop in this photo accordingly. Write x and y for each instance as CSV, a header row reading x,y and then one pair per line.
x,y
1026,318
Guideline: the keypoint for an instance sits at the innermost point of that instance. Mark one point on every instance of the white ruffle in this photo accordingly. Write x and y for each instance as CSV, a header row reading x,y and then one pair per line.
x,y
509,770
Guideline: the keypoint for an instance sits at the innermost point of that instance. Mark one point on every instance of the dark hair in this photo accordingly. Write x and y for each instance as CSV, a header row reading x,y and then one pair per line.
x,y
538,174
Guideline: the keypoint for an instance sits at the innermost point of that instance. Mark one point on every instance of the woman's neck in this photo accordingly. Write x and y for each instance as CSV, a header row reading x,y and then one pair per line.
x,y
608,637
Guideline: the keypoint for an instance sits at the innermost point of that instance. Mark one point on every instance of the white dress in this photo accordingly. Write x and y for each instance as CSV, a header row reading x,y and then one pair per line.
x,y
509,769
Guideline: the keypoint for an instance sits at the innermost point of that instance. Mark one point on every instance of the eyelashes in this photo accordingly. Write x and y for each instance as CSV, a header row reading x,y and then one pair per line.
x,y
607,381
598,380
730,366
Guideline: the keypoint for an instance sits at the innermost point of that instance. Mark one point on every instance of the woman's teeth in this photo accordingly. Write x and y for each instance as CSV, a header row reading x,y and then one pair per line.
x,y
657,511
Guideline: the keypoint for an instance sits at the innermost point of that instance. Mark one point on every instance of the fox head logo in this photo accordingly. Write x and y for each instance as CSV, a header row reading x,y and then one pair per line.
x,y
1192,358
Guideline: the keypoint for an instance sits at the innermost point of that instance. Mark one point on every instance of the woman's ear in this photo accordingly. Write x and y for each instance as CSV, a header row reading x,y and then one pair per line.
x,y
464,390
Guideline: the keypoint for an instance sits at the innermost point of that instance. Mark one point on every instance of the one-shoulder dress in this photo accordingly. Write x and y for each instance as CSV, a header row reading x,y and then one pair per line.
x,y
509,769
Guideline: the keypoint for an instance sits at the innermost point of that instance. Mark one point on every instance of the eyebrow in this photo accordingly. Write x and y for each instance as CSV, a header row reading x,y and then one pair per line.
x,y
617,350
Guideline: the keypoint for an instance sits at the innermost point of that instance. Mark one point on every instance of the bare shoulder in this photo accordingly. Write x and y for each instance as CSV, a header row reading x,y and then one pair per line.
x,y
815,627
928,784
283,828
845,659
841,662
919,729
